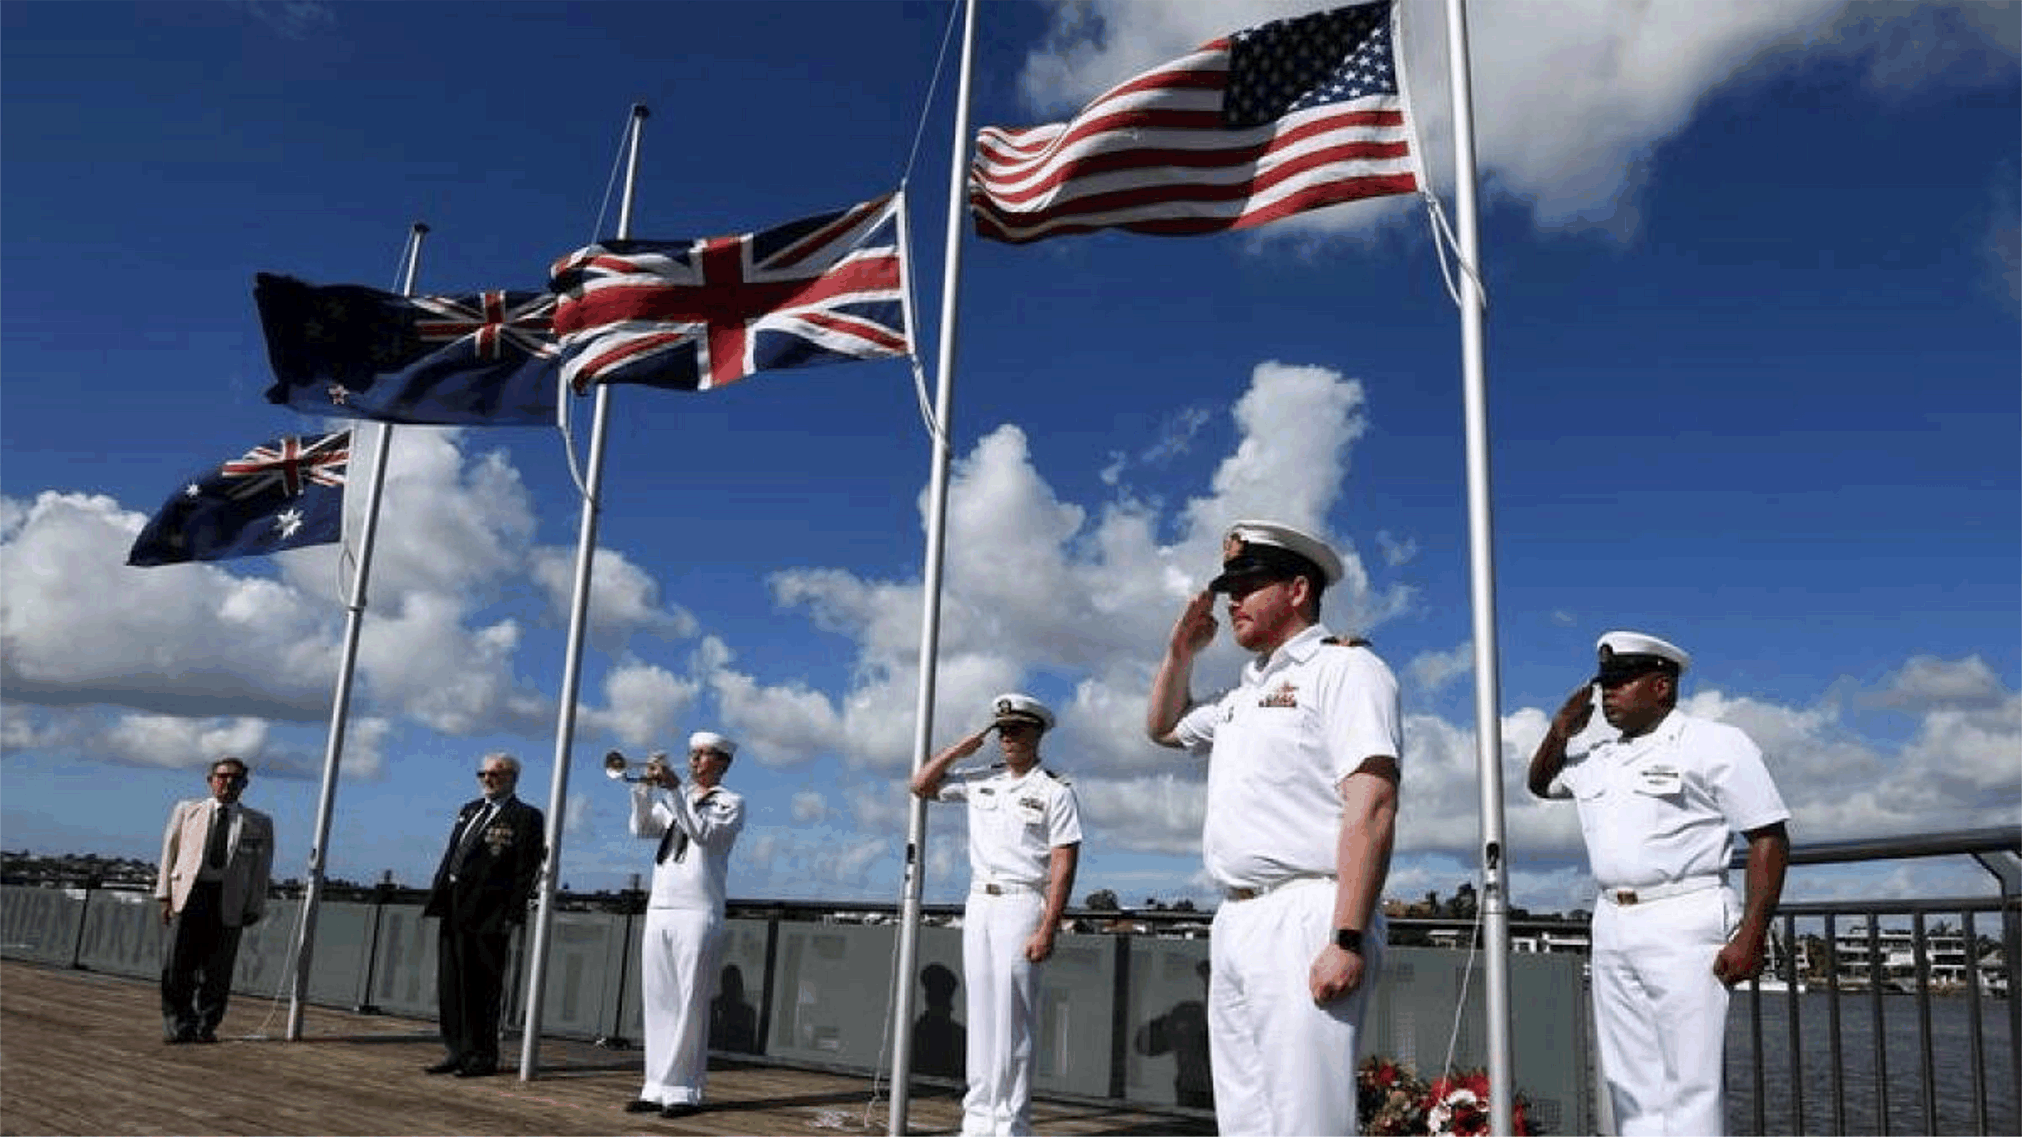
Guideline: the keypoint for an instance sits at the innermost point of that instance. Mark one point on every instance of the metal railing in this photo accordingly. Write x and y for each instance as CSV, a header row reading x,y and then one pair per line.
x,y
1884,991
1926,1011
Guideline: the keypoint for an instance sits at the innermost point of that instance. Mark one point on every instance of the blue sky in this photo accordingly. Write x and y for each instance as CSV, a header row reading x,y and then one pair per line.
x,y
1752,355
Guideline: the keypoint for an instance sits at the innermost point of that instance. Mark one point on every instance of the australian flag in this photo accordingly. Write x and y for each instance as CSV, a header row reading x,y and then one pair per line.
x,y
486,359
699,314
283,495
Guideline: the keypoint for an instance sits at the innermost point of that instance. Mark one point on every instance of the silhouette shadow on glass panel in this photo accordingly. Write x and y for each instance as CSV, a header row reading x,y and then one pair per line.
x,y
1183,1033
733,1021
940,1044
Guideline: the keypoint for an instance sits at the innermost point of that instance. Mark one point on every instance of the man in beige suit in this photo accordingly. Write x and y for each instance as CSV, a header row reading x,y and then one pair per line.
x,y
212,885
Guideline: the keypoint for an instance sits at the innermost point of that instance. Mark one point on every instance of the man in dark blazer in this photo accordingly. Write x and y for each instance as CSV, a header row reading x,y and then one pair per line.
x,y
480,893
212,884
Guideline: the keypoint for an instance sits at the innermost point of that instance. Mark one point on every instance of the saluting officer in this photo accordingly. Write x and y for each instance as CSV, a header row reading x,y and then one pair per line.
x,y
1301,811
1659,803
1024,845
684,917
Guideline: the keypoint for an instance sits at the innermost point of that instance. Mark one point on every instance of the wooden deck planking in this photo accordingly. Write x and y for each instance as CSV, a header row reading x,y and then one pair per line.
x,y
80,1052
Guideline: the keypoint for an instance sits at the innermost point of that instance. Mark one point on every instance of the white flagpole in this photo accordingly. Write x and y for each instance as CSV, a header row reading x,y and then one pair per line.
x,y
340,707
930,603
1481,559
572,678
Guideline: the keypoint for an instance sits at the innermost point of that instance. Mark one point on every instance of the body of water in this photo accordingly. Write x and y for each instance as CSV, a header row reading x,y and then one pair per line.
x,y
1854,1074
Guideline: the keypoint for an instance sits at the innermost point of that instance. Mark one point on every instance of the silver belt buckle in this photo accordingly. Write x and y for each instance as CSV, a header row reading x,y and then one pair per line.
x,y
993,890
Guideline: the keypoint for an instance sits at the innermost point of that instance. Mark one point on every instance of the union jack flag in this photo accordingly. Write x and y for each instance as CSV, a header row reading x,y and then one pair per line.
x,y
490,320
692,315
282,495
289,463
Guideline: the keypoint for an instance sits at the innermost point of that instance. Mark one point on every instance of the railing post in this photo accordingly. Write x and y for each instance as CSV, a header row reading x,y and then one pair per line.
x,y
77,941
381,893
1881,1031
1119,1015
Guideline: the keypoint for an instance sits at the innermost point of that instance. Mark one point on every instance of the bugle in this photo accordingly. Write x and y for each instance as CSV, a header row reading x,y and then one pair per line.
x,y
615,768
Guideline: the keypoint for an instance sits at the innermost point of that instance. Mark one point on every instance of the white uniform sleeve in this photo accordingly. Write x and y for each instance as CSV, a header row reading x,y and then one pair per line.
x,y
1363,719
1064,821
1741,783
1196,728
954,786
650,817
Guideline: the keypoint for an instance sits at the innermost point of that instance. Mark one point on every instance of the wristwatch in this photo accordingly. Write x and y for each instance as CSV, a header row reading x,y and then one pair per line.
x,y
1348,939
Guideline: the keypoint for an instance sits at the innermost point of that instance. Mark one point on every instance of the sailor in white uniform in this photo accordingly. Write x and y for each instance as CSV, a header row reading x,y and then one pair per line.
x,y
695,828
1024,845
1660,797
1303,765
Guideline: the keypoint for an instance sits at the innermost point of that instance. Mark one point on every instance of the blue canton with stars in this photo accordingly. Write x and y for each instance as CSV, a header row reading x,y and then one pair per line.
x,y
1292,65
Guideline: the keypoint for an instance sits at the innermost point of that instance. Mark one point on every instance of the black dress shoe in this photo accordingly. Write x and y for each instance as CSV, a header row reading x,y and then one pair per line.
x,y
478,1070
681,1109
446,1066
642,1106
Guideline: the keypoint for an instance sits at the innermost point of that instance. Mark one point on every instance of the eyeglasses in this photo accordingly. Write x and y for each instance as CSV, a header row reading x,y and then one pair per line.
x,y
494,773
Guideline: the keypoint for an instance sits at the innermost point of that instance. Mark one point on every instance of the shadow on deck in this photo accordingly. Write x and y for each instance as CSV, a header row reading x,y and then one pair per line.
x,y
80,1052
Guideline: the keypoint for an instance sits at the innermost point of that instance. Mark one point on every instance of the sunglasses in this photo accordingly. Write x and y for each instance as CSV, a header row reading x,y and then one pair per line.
x,y
494,773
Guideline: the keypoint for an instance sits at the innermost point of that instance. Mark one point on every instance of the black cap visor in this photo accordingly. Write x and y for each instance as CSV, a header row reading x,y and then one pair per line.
x,y
1268,562
1618,668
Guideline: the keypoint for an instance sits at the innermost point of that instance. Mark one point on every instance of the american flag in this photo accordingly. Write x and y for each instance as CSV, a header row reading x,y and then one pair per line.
x,y
1271,121
289,463
699,314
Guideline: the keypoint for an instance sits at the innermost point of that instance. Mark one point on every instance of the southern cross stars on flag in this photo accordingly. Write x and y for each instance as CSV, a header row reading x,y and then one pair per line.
x,y
482,359
1271,121
692,315
283,494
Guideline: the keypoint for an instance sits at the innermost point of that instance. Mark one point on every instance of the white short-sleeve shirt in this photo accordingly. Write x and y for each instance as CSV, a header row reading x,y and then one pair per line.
x,y
1666,805
1015,822
1278,746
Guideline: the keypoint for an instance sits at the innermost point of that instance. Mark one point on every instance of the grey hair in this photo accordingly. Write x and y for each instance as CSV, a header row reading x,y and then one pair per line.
x,y
511,763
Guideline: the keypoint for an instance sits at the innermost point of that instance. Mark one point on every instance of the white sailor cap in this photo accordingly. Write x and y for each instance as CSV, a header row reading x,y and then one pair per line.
x,y
1014,707
1625,655
710,740
1257,548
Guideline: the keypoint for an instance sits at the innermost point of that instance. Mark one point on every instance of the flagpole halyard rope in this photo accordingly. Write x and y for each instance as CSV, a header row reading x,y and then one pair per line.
x,y
933,84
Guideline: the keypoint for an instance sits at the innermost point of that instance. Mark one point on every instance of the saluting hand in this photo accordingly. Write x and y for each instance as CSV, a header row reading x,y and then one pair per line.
x,y
1572,717
1196,626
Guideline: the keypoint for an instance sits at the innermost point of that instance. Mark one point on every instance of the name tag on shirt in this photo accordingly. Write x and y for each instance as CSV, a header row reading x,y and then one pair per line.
x,y
1659,780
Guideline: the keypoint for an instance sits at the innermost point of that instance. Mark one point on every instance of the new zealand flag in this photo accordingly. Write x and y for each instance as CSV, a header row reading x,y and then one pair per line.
x,y
485,359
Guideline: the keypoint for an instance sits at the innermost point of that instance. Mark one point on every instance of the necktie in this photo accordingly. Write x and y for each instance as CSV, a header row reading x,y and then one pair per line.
x,y
221,831
675,840
468,841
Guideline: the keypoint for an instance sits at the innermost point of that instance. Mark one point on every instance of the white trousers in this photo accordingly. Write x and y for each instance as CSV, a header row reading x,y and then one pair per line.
x,y
1283,1065
677,974
1003,1008
1660,1016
